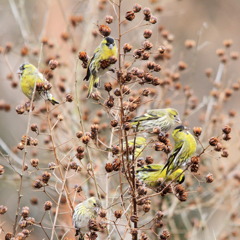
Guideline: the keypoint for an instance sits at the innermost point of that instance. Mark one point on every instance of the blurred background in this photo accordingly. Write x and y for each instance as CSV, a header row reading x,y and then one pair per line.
x,y
37,31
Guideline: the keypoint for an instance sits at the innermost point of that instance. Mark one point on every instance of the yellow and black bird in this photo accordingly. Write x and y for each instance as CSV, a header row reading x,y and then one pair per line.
x,y
104,51
164,119
29,77
185,146
152,175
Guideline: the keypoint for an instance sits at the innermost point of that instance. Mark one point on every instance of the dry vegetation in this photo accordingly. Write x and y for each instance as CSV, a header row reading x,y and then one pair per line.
x,y
53,157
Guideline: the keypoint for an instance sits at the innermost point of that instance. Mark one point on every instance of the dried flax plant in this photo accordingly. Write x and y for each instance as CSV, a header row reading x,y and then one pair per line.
x,y
88,147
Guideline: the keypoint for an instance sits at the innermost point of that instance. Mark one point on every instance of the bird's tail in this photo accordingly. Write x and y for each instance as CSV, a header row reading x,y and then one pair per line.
x,y
51,99
94,82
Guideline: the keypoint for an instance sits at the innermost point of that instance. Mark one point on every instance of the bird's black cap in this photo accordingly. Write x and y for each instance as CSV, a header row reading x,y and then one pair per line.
x,y
109,40
181,127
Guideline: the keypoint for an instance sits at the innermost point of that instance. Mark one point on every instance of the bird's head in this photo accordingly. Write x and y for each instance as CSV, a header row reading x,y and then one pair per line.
x,y
176,133
174,115
25,66
109,42
94,203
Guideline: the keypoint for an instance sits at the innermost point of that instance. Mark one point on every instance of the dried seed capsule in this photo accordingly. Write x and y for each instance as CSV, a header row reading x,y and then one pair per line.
x,y
118,213
213,141
34,162
226,129
130,15
147,33
127,48
47,205
109,167
104,30
197,131
209,178
53,64
137,8
114,123
109,19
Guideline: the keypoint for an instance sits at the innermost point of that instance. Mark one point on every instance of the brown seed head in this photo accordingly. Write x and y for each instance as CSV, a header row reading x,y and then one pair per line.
x,y
147,45
114,123
165,235
147,33
195,160
197,131
79,134
130,15
34,162
227,129
47,205
109,167
85,139
108,86
118,213
104,30
46,177
69,98
37,184
190,43
153,20
137,8
227,43
182,65
53,64
127,47
213,141
209,178
109,19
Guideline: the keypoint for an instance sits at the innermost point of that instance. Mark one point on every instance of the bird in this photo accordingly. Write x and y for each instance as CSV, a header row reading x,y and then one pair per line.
x,y
84,212
152,174
185,146
95,69
29,77
137,144
164,119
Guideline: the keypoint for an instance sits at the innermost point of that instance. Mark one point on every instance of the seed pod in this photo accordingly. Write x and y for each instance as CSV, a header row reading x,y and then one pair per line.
x,y
137,8
118,213
47,205
104,30
209,178
130,15
109,167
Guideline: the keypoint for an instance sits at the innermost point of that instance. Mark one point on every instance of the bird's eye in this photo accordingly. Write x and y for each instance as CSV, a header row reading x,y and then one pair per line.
x,y
94,204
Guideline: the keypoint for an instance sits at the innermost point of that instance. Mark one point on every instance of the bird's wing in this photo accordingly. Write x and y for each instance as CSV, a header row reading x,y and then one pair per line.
x,y
144,117
174,156
156,112
151,168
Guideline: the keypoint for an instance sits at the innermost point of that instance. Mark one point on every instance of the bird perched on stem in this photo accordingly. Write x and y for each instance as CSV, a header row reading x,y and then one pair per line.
x,y
137,145
152,174
185,146
84,212
29,77
163,119
104,55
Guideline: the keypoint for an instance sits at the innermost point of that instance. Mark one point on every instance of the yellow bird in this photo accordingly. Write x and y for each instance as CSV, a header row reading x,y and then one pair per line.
x,y
85,211
104,51
164,119
185,146
140,144
29,76
152,174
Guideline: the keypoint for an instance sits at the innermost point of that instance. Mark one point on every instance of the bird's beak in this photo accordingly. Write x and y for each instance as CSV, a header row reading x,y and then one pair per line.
x,y
111,46
19,71
177,119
